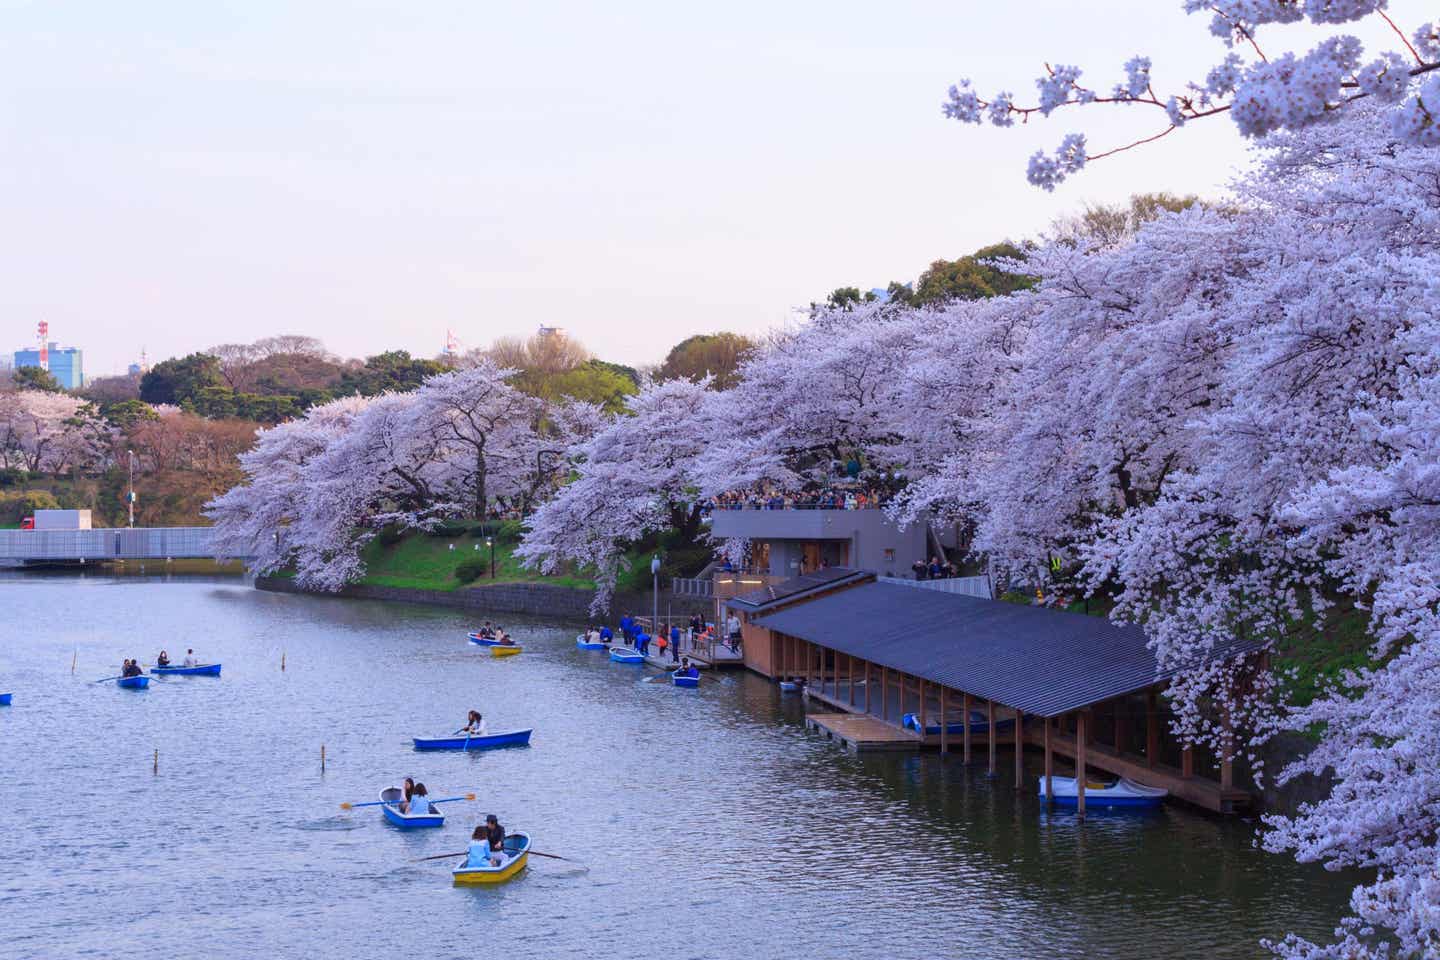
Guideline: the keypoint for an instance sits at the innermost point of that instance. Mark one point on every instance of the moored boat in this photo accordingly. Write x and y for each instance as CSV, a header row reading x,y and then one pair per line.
x,y
1122,792
5,699
480,641
391,798
506,650
979,723
199,670
584,644
513,738
626,655
517,854
684,681
789,686
133,683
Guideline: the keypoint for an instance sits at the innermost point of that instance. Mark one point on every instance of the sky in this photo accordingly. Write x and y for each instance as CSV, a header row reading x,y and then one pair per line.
x,y
376,172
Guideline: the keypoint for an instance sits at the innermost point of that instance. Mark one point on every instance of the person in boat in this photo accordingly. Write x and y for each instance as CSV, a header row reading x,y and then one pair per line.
x,y
687,669
487,630
592,635
474,725
131,669
190,660
419,802
163,660
406,789
479,853
606,634
506,640
495,839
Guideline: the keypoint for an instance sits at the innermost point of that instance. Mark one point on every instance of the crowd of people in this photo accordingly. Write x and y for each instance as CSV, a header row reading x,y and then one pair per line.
x,y
934,570
767,498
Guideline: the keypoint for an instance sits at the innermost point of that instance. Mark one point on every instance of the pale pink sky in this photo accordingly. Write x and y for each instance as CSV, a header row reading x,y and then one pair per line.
x,y
373,172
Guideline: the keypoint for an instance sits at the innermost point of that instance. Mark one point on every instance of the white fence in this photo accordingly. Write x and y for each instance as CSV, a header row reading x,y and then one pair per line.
x,y
965,586
122,543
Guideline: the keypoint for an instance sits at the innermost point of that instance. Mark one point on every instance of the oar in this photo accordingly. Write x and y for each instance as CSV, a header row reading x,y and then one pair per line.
x,y
533,853
381,803
104,679
468,796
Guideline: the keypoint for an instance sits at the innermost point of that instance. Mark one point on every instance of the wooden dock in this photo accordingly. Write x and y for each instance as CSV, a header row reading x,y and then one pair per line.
x,y
860,733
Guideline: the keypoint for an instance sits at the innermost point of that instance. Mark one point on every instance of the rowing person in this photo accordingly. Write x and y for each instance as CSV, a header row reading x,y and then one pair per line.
x,y
495,838
418,802
506,640
606,634
163,660
190,660
131,669
687,669
474,725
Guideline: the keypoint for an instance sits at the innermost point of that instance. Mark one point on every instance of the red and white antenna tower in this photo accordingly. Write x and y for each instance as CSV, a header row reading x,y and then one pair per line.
x,y
452,344
43,330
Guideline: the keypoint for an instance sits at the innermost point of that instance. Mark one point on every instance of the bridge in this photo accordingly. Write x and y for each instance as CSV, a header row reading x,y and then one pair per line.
x,y
103,545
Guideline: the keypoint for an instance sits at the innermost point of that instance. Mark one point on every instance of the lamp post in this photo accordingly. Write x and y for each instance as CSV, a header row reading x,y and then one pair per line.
x,y
655,592
130,496
490,542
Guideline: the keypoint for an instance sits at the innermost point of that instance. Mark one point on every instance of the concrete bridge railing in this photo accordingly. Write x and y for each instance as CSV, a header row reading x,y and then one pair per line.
x,y
120,543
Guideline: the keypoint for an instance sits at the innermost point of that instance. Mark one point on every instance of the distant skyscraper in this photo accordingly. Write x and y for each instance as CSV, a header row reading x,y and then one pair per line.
x,y
67,366
134,370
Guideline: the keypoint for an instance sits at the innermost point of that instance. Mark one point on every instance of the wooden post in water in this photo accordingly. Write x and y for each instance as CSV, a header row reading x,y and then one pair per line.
x,y
867,688
1152,729
1049,767
1187,763
990,708
155,764
322,758
923,725
944,724
1080,764
1019,750
885,694
73,657
282,661
965,730
850,681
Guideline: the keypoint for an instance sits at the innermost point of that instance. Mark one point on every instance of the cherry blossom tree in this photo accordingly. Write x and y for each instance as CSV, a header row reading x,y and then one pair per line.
x,y
44,432
1263,92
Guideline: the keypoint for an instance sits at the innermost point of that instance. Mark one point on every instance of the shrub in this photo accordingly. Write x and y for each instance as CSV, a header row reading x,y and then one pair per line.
x,y
15,505
472,568
447,530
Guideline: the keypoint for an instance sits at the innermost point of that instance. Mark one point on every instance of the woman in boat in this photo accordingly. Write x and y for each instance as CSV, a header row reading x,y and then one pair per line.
x,y
190,660
406,788
419,802
506,640
131,669
479,853
163,660
474,725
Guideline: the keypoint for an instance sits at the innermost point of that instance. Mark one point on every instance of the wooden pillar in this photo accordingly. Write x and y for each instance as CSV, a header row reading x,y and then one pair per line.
x,y
944,724
923,724
1152,729
1122,726
867,687
850,679
965,730
1187,762
1019,750
1227,748
1080,732
990,708
885,694
809,664
1049,767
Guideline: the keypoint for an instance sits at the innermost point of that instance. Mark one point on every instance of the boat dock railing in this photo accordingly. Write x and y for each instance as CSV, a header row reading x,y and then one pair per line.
x,y
119,543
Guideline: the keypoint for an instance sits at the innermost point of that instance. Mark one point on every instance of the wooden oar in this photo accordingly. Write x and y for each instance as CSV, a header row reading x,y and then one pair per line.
x,y
381,803
105,679
462,853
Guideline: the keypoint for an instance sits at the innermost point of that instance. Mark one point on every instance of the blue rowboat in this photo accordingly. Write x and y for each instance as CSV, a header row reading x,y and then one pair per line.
x,y
1123,792
200,670
584,644
480,641
5,699
515,738
626,655
789,686
688,682
133,683
430,817
979,723
517,854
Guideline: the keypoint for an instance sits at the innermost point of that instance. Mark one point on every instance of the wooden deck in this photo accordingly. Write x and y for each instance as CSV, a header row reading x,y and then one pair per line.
x,y
859,733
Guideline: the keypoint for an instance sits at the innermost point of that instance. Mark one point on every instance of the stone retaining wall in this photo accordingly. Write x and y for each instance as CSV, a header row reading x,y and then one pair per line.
x,y
534,599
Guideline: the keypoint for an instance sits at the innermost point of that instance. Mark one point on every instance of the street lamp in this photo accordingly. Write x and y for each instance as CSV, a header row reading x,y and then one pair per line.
x,y
490,542
655,592
130,496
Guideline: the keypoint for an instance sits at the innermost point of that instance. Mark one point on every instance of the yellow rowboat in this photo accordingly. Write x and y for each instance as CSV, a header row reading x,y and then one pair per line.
x,y
505,651
517,855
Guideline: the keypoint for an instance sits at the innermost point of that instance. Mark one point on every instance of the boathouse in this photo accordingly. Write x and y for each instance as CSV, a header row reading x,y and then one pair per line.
x,y
905,668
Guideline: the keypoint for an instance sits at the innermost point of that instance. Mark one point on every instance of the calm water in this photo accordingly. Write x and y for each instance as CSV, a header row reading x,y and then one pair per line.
x,y
712,823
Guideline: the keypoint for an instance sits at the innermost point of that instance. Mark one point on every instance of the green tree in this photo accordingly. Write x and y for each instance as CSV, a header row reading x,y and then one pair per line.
x,y
36,378
180,379
393,370
842,298
593,381
971,278
1109,224
126,413
716,354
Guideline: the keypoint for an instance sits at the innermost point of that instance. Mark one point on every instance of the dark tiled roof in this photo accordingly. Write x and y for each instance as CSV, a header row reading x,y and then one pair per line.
x,y
767,598
1042,661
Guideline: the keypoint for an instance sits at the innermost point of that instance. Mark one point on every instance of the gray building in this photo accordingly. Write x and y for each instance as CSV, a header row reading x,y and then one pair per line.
x,y
787,543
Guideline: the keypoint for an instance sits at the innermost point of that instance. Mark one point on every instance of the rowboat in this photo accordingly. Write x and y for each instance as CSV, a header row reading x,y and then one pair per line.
x,y
133,683
688,682
508,650
390,806
480,641
199,670
517,854
515,738
5,699
789,686
626,655
584,644
979,723
1123,792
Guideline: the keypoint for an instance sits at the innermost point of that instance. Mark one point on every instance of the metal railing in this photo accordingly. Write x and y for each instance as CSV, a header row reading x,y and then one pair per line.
x,y
700,587
120,543
965,586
